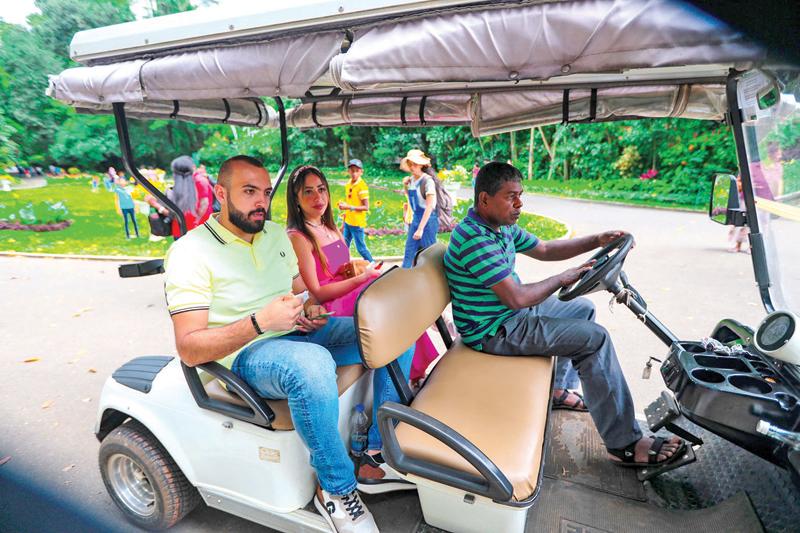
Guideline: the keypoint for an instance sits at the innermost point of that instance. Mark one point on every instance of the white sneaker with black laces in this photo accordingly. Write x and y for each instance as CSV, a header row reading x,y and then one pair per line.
x,y
345,514
376,477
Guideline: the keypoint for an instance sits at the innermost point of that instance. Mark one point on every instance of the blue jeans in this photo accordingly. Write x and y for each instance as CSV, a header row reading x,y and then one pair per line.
x,y
302,369
567,330
357,233
129,213
428,236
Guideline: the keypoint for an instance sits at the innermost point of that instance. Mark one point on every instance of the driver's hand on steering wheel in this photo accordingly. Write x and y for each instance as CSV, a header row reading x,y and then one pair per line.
x,y
571,275
610,236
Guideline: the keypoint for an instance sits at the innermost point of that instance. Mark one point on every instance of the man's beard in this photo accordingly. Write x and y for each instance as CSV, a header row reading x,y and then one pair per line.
x,y
240,220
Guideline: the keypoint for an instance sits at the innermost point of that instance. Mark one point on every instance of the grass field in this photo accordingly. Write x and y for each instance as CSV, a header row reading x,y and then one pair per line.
x,y
97,228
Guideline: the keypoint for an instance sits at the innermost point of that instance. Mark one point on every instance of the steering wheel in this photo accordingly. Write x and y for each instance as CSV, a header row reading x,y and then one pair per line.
x,y
603,273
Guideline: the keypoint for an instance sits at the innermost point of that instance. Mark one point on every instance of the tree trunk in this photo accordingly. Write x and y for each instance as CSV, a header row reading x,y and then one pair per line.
x,y
345,152
566,169
530,155
513,147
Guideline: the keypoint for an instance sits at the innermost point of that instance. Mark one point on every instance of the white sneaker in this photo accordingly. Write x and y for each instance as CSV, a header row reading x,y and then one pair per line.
x,y
345,514
376,477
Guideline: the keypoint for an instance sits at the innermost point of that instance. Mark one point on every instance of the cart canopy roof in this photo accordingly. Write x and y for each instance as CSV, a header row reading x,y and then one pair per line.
x,y
494,66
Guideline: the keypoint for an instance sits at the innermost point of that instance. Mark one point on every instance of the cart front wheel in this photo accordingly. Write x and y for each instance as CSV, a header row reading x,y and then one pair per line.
x,y
143,480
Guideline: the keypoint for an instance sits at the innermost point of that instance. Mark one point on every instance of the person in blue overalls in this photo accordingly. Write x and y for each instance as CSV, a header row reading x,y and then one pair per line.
x,y
421,192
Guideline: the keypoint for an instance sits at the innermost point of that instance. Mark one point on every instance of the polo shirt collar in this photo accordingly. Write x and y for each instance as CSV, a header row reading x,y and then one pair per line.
x,y
223,234
474,217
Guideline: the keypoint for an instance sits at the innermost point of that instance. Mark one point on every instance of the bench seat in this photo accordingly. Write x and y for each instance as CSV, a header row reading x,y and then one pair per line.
x,y
498,403
345,377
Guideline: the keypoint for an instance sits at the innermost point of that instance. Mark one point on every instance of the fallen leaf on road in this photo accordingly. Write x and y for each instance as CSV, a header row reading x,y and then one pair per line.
x,y
68,468
92,371
86,400
85,309
47,404
31,360
5,459
73,361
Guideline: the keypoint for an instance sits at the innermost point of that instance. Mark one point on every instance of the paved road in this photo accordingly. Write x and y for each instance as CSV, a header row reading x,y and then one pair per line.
x,y
81,322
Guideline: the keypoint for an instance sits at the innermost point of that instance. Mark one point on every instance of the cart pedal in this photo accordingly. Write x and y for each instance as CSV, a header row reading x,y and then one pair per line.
x,y
663,413
643,474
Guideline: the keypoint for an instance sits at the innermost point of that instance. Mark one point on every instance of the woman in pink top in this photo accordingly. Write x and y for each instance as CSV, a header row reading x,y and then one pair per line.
x,y
321,254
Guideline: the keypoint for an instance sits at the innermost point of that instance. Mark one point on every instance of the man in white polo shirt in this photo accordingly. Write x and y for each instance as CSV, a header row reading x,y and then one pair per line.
x,y
230,287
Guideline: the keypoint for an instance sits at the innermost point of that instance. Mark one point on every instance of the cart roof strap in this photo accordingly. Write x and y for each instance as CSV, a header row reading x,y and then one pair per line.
x,y
403,103
565,107
314,115
422,110
176,106
593,105
227,110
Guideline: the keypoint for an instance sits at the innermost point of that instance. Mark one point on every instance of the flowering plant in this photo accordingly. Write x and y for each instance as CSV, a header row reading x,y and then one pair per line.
x,y
649,175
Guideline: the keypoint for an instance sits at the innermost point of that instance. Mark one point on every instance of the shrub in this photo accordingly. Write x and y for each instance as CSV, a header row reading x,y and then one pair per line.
x,y
73,171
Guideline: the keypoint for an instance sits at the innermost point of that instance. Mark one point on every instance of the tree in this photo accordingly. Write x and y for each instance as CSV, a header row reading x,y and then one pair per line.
x,y
59,20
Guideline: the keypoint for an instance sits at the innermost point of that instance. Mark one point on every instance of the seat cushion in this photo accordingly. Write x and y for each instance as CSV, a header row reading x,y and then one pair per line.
x,y
345,377
498,403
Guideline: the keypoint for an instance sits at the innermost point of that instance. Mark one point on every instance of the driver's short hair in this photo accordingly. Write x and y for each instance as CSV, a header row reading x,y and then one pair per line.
x,y
226,170
492,175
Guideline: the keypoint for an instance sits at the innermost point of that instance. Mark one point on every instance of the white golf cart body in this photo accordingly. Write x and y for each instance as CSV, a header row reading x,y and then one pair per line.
x,y
494,67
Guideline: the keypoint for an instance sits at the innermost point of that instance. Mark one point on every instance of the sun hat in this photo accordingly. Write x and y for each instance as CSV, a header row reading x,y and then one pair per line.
x,y
414,156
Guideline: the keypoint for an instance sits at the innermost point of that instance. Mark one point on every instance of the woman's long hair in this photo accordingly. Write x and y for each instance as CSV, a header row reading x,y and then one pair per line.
x,y
296,219
184,193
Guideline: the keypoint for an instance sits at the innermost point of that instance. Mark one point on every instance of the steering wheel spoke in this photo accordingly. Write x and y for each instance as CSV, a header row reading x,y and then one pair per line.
x,y
609,261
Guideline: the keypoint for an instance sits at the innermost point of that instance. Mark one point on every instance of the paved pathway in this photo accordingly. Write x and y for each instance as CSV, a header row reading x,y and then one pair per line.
x,y
81,321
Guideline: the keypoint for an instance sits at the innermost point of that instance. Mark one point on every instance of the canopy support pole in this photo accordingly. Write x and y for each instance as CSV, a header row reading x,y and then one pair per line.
x,y
284,152
758,250
130,166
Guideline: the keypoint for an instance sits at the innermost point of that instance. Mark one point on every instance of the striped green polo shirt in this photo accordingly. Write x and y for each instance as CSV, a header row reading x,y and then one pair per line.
x,y
212,269
477,258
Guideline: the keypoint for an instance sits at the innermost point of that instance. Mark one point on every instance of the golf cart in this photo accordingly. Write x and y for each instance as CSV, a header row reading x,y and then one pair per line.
x,y
172,435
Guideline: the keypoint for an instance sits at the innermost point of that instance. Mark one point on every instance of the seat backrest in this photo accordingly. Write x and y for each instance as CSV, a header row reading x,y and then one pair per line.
x,y
399,306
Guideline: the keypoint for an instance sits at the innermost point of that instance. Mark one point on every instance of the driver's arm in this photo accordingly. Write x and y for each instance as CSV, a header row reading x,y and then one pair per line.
x,y
568,248
516,295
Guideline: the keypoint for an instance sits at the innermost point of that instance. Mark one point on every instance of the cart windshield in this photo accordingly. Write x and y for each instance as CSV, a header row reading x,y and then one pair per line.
x,y
773,153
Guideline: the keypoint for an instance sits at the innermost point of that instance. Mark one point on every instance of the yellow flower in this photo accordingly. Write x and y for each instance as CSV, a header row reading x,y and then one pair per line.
x,y
378,203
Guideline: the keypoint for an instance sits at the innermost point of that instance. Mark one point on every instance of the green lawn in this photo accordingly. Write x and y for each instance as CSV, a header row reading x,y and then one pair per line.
x,y
97,228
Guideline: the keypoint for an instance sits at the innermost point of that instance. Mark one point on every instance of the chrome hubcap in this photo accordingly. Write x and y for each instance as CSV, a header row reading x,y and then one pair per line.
x,y
131,485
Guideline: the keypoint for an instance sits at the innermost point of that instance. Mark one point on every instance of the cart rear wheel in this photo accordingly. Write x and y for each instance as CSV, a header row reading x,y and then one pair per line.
x,y
143,480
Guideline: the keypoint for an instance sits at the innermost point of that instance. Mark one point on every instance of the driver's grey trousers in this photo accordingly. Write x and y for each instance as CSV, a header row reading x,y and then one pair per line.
x,y
567,330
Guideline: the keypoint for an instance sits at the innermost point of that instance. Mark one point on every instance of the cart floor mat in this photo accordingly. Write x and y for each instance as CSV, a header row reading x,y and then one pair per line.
x,y
576,453
566,507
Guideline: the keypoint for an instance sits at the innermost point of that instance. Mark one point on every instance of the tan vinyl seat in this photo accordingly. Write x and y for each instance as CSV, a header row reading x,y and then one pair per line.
x,y
499,404
345,377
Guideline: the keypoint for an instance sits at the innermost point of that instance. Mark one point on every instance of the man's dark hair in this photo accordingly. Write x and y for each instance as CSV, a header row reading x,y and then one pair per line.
x,y
226,170
491,177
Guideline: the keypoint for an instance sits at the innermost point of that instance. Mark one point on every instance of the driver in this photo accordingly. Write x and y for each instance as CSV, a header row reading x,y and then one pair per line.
x,y
229,285
497,314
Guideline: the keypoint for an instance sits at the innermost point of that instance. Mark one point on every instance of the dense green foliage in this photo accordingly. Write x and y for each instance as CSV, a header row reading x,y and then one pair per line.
x,y
675,156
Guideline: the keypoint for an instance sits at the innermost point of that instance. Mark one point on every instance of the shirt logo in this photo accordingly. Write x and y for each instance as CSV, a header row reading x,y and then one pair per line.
x,y
283,254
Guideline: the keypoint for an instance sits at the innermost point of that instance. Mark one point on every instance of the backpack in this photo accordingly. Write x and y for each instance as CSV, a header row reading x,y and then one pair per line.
x,y
444,203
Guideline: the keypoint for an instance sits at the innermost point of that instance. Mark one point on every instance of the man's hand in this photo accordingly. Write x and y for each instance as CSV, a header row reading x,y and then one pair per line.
x,y
280,314
312,320
608,237
571,275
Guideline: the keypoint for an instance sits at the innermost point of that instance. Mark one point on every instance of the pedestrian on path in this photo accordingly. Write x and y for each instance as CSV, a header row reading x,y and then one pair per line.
x,y
355,207
425,224
126,206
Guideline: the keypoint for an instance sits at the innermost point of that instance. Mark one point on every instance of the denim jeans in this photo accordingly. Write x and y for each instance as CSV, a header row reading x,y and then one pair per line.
x,y
129,213
357,233
302,369
567,330
428,236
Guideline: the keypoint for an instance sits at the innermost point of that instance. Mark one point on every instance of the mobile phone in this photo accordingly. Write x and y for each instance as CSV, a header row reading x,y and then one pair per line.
x,y
376,265
322,315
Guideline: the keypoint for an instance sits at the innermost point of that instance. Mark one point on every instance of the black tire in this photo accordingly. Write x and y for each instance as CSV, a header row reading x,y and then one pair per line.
x,y
143,480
